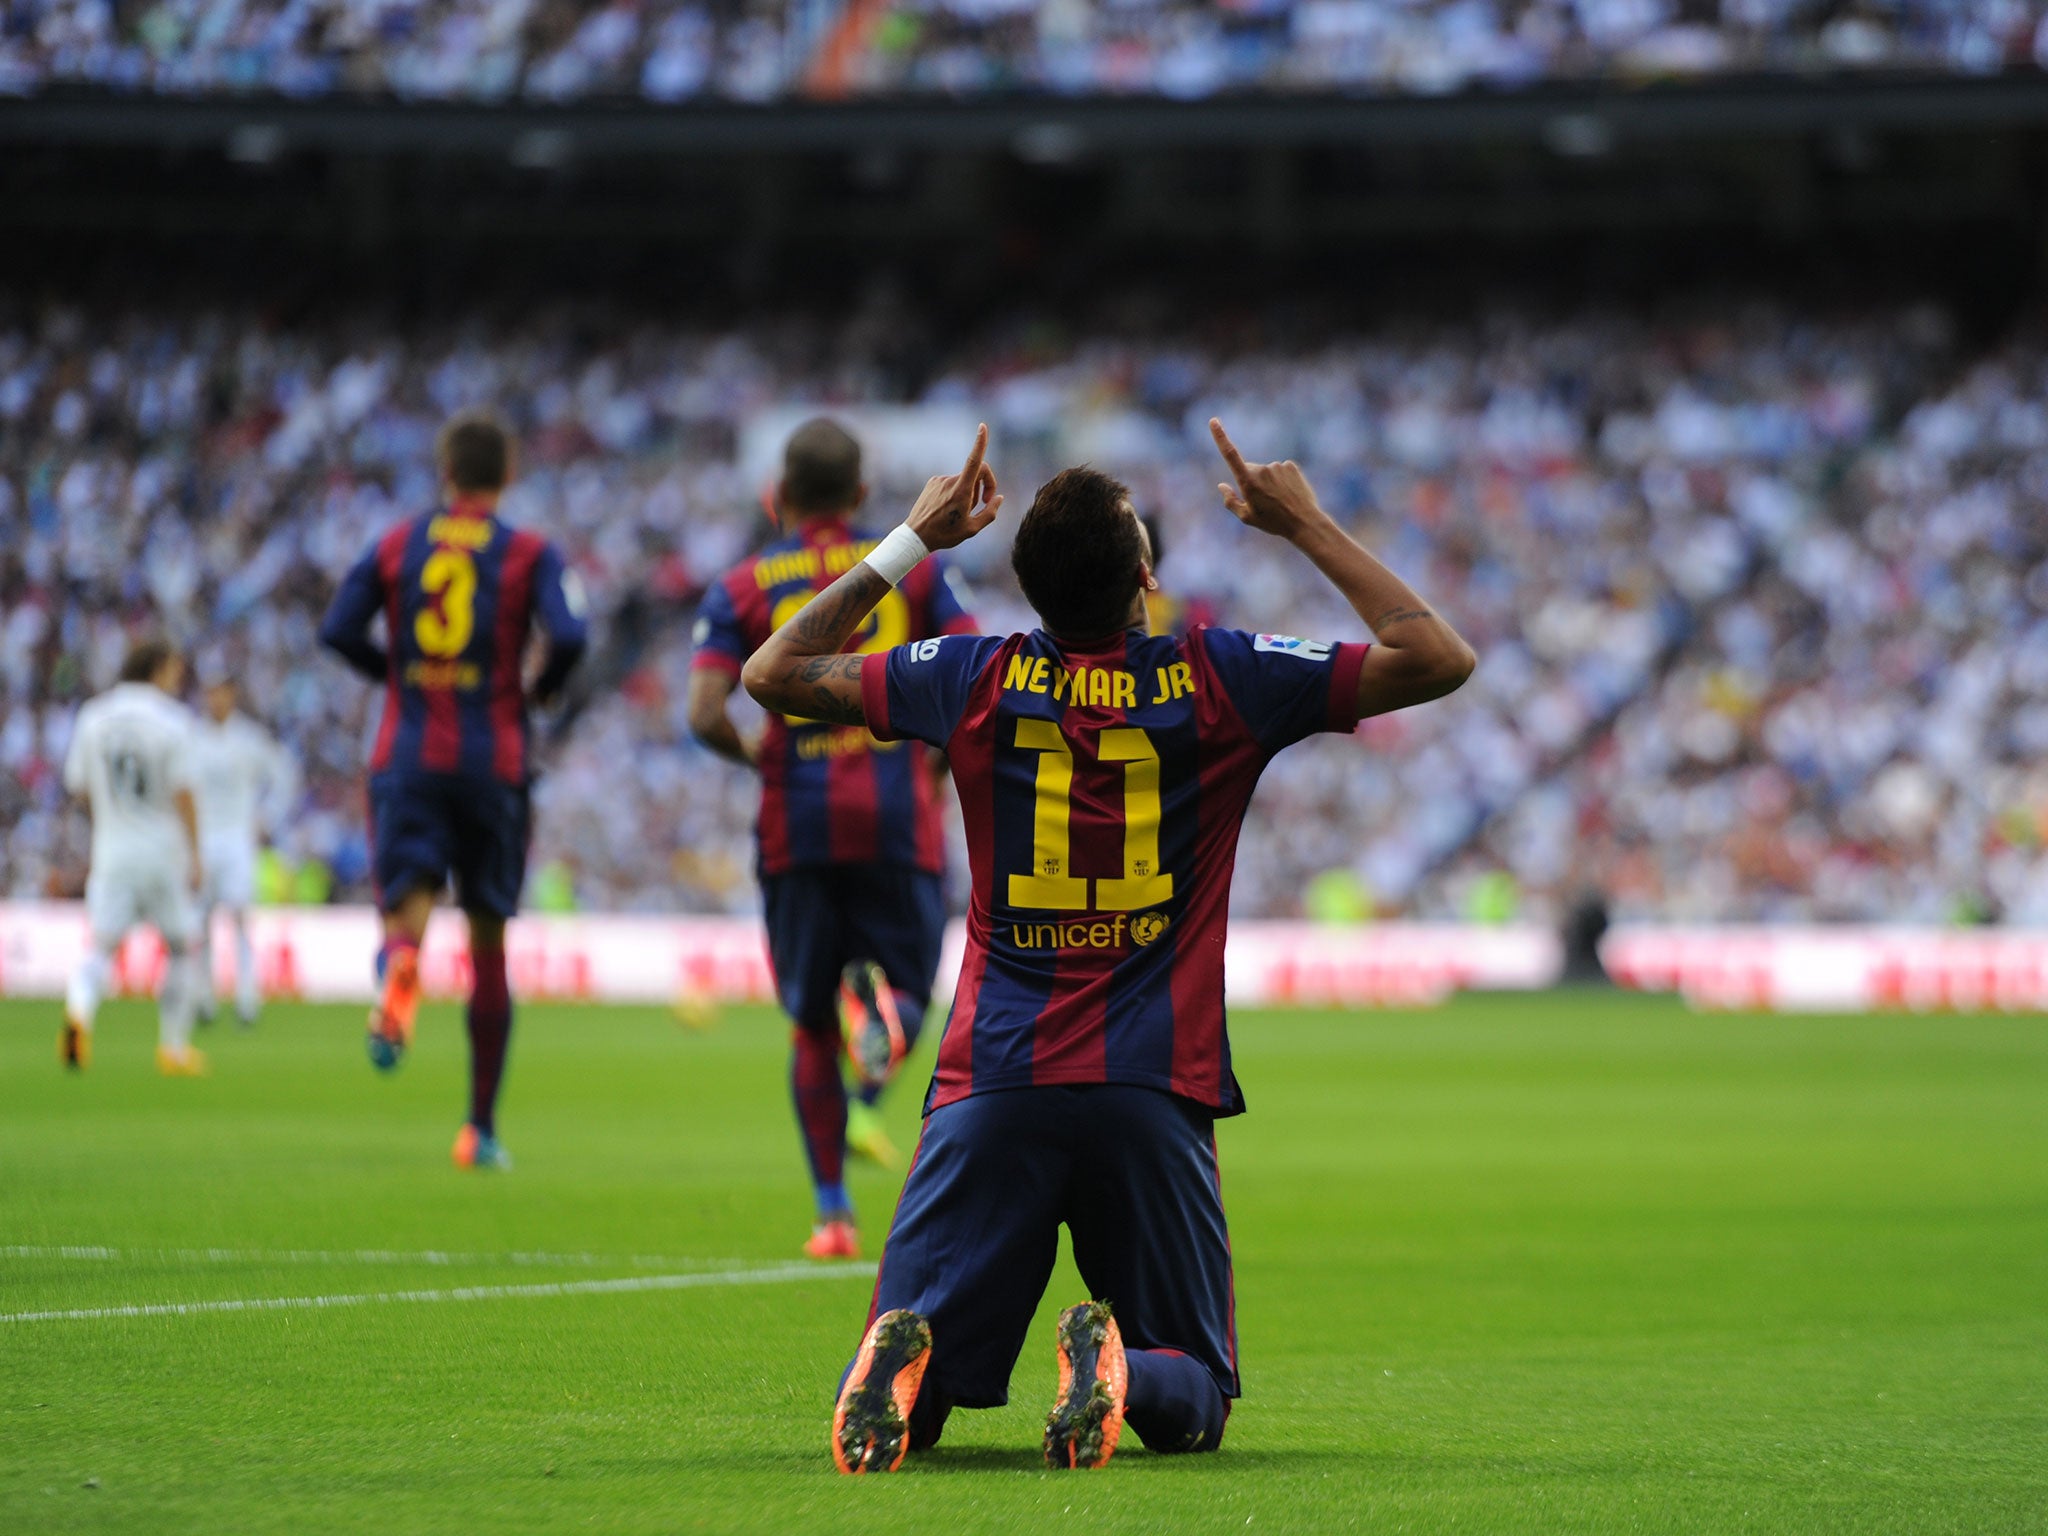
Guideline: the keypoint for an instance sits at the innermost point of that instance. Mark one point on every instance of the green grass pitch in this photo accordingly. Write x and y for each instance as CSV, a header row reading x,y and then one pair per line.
x,y
1570,1263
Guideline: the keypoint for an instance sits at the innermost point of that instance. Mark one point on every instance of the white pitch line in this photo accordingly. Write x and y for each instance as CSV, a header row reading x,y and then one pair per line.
x,y
429,1257
780,1275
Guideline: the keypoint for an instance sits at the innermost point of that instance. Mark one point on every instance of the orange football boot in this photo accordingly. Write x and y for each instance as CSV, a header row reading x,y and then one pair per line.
x,y
391,1020
74,1045
875,1042
1082,1429
479,1149
871,1425
834,1238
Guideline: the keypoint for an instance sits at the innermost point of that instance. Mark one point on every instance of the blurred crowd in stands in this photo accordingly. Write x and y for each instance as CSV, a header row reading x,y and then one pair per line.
x,y
1761,598
761,50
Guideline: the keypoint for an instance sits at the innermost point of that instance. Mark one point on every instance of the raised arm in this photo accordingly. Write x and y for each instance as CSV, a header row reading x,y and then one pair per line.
x,y
1419,656
800,671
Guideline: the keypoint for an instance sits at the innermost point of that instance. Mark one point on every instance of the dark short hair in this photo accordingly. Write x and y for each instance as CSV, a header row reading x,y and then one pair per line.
x,y
821,468
1079,554
474,451
146,658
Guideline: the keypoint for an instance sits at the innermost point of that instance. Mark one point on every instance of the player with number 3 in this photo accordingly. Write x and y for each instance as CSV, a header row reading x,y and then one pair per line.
x,y
460,591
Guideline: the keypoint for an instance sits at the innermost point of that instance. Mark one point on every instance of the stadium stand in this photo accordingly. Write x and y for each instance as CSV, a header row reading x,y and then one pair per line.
x,y
1762,596
672,51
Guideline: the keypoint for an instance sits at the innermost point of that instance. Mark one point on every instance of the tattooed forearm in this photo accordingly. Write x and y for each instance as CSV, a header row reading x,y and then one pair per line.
x,y
1401,616
833,708
827,619
821,668
800,671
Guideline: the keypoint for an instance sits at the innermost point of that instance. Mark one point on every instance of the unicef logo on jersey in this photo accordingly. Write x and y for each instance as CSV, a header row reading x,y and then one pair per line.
x,y
1147,927
1294,645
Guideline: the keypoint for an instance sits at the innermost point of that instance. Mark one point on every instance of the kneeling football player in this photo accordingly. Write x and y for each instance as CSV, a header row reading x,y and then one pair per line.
x,y
1103,774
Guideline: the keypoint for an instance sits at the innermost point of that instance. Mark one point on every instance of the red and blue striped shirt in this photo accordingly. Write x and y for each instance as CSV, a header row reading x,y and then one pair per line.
x,y
833,794
460,592
1103,790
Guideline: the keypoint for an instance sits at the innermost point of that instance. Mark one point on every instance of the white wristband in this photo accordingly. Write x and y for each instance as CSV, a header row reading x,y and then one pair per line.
x,y
897,555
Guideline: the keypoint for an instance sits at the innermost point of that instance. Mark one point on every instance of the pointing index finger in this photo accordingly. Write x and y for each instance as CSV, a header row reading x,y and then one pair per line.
x,y
1228,449
971,475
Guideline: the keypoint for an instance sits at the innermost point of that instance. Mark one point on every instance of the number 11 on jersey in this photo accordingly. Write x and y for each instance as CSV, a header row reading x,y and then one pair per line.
x,y
1051,884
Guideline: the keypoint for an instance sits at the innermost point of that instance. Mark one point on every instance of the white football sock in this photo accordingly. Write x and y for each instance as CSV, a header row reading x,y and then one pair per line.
x,y
177,1000
88,986
246,995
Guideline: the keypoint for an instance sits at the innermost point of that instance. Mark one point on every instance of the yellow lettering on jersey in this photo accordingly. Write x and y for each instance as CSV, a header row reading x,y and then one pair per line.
x,y
1100,934
462,532
843,741
1051,882
462,676
444,628
1027,674
1141,884
1083,687
1172,682
791,565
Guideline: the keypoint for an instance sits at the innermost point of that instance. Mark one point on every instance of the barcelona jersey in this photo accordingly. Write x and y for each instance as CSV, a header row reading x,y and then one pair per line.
x,y
461,592
834,794
1102,790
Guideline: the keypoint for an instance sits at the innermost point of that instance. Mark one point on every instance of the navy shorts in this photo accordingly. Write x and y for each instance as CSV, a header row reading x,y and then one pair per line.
x,y
428,827
1132,1174
821,919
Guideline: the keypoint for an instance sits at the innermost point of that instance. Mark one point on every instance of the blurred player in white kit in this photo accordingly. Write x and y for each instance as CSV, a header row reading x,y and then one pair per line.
x,y
243,782
130,761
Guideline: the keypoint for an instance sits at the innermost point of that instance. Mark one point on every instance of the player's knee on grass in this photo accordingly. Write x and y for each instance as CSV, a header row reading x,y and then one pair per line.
x,y
1174,1404
928,1416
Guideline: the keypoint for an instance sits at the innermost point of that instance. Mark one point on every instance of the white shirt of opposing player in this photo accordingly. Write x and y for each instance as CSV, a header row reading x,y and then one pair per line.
x,y
131,752
241,778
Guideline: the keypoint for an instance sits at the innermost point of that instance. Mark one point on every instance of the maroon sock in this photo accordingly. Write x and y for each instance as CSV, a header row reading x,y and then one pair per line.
x,y
820,1095
490,1032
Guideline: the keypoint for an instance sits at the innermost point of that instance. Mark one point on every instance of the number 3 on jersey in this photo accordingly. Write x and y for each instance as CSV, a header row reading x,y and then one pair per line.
x,y
443,627
1052,884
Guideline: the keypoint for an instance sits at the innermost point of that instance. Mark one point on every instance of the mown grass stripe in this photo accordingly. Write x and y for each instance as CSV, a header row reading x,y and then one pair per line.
x,y
780,1275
